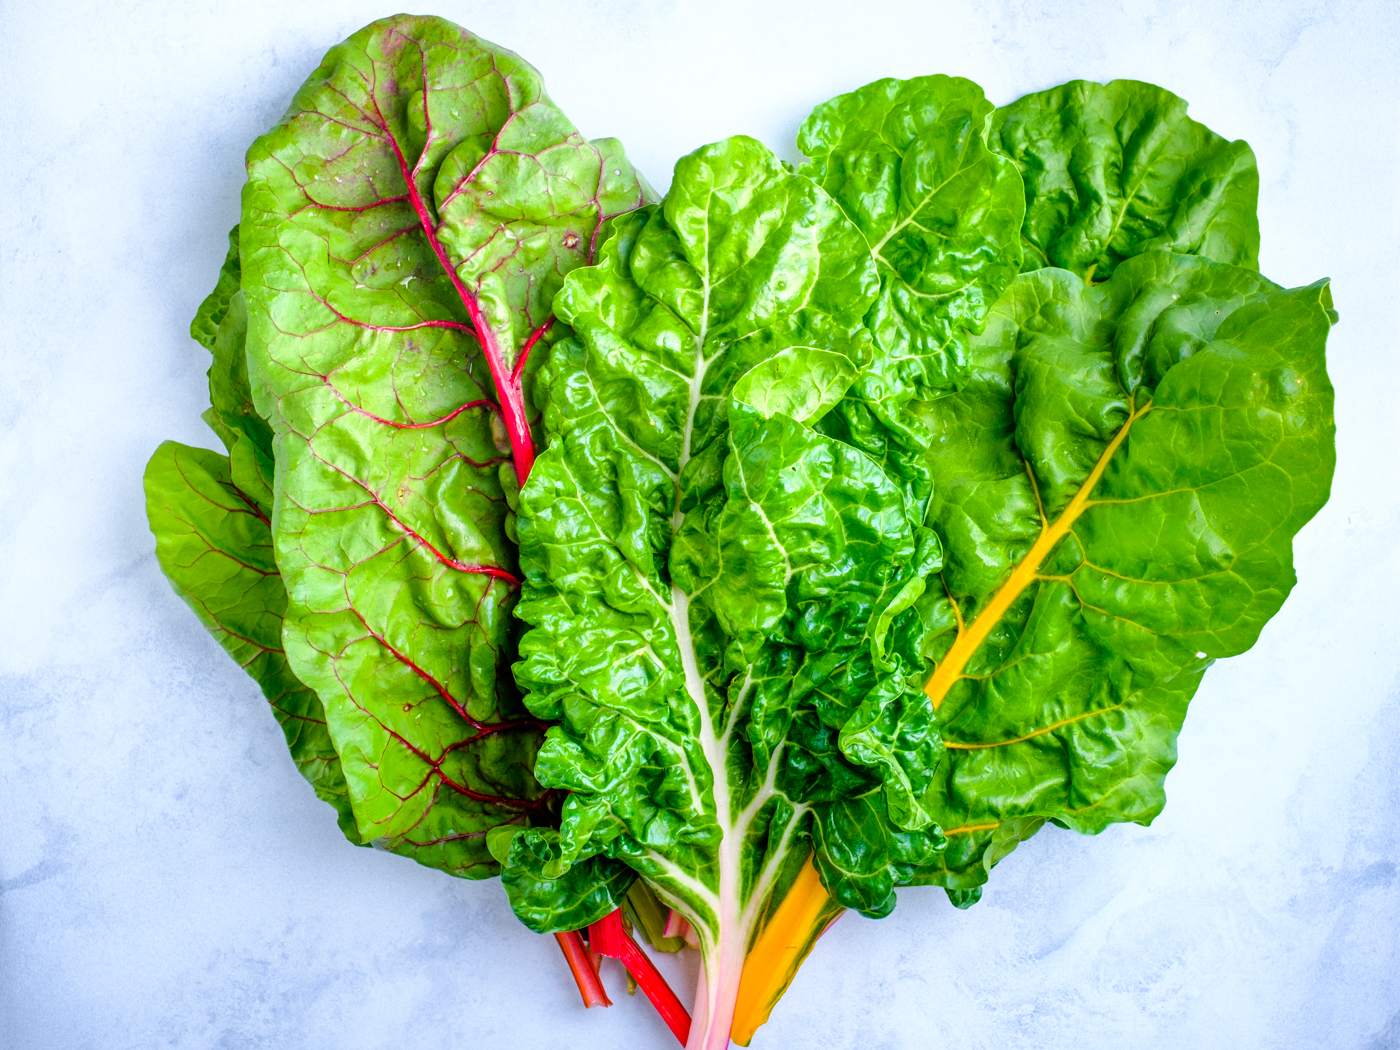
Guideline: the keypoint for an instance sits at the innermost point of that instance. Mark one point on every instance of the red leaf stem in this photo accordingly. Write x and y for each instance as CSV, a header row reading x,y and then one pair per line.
x,y
608,937
585,973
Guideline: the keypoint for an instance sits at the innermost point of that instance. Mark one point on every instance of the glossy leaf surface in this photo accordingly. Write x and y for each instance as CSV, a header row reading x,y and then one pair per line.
x,y
1117,487
1114,170
908,161
405,226
704,576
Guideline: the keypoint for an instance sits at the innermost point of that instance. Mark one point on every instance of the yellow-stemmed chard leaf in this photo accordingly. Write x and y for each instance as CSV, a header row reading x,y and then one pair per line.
x,y
1117,487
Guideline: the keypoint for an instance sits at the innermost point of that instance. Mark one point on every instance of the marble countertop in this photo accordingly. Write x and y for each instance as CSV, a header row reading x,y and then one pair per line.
x,y
168,880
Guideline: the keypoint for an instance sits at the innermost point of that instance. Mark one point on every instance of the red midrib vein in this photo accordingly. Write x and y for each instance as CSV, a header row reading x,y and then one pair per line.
x,y
484,729
451,563
508,387
435,764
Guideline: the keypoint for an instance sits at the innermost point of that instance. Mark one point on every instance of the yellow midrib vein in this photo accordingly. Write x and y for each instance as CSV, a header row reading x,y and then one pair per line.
x,y
954,746
950,668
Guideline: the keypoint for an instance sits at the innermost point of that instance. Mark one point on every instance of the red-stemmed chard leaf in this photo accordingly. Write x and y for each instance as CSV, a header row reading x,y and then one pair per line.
x,y
210,515
405,227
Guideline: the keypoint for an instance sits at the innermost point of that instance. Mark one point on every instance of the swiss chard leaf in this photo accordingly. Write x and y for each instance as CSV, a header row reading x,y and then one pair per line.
x,y
909,162
1118,487
405,226
706,575
215,545
1114,170
211,518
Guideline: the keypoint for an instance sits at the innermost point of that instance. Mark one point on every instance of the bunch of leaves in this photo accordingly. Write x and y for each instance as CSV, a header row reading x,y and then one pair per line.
x,y
874,513
1099,485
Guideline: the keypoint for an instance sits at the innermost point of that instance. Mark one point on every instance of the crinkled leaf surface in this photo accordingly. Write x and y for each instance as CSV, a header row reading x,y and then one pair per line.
x,y
405,226
1117,487
211,518
705,576
909,162
1114,170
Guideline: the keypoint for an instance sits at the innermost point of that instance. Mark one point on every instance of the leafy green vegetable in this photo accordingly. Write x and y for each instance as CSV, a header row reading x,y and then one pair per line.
x,y
785,395
210,515
1113,170
908,161
404,228
706,578
1118,487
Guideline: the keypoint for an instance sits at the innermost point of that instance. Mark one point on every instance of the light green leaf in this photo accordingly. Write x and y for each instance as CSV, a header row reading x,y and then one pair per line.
x,y
214,543
210,515
204,329
405,226
801,381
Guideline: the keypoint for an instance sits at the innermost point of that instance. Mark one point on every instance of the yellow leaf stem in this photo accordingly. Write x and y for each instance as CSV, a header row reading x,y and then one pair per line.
x,y
780,949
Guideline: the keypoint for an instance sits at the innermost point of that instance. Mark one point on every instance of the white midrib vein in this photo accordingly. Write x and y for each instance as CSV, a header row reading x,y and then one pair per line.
x,y
735,920
708,1009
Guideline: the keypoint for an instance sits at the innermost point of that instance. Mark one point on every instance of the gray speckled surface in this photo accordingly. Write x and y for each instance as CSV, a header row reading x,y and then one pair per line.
x,y
166,878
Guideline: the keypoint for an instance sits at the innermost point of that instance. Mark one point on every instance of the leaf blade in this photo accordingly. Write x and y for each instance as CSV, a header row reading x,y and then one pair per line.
x,y
398,247
1212,400
1114,170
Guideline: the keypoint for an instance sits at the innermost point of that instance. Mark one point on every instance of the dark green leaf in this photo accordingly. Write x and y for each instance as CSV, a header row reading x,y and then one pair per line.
x,y
1114,170
703,574
585,893
1117,487
908,161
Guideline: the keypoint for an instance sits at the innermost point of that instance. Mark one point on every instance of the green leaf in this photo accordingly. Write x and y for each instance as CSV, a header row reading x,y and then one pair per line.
x,y
211,518
1114,170
909,162
801,381
585,893
864,854
1117,487
204,329
405,226
702,577
215,545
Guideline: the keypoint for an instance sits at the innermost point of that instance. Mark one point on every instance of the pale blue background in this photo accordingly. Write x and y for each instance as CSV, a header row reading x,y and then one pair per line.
x,y
169,881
